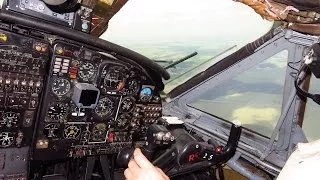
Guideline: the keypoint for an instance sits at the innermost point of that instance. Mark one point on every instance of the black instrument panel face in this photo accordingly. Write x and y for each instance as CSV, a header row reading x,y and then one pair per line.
x,y
128,102
23,65
22,68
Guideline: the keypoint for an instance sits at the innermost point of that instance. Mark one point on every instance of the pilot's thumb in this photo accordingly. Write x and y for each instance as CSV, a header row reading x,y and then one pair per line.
x,y
141,160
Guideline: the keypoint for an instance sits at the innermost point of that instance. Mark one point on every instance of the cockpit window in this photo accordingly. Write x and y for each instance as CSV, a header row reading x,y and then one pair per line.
x,y
166,30
253,97
311,122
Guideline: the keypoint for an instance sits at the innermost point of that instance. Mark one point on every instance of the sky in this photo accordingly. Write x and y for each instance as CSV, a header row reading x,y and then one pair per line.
x,y
185,20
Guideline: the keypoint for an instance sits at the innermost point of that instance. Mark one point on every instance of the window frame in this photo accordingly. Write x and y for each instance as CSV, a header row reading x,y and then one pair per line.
x,y
270,153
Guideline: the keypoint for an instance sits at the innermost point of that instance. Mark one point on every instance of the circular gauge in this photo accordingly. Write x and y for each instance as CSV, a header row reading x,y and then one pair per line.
x,y
132,87
99,132
77,113
71,132
51,130
146,94
113,78
105,107
86,71
57,111
123,122
61,87
127,104
6,139
9,119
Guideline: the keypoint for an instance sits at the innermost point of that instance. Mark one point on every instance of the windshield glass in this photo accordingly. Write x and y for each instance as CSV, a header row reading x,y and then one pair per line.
x,y
166,30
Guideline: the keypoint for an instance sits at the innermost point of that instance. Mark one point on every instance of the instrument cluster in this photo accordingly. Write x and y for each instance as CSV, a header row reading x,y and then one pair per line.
x,y
116,102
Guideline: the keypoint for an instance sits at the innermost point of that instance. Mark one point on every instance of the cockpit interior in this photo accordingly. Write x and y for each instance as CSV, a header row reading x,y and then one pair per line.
x,y
75,106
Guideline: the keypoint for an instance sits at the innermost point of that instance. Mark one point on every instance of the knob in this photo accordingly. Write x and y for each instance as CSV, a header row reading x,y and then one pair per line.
x,y
124,156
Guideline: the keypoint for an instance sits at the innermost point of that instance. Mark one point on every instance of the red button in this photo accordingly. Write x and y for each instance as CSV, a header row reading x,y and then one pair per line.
x,y
73,70
110,137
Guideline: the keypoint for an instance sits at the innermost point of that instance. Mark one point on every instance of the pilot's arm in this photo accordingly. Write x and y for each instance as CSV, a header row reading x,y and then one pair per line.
x,y
140,168
303,163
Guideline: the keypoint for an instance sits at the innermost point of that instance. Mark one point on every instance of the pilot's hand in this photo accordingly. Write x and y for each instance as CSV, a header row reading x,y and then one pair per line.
x,y
140,168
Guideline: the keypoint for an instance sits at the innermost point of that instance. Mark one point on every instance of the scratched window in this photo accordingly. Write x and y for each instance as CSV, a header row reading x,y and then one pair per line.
x,y
254,96
169,30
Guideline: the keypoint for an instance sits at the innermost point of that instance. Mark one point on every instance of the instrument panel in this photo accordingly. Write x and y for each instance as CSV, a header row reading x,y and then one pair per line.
x,y
118,101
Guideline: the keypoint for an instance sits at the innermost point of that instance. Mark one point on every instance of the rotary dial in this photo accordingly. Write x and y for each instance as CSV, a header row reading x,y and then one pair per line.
x,y
105,107
6,139
9,119
71,132
57,112
86,71
61,87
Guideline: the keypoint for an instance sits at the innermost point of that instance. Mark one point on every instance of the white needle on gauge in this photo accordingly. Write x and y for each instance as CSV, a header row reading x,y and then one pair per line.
x,y
116,117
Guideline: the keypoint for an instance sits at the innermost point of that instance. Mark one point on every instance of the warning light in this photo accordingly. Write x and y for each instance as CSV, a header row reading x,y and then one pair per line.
x,y
44,49
59,50
3,37
110,137
72,76
38,48
218,149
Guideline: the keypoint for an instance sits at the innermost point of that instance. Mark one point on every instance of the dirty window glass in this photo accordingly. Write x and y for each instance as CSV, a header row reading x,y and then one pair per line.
x,y
167,30
254,97
311,121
